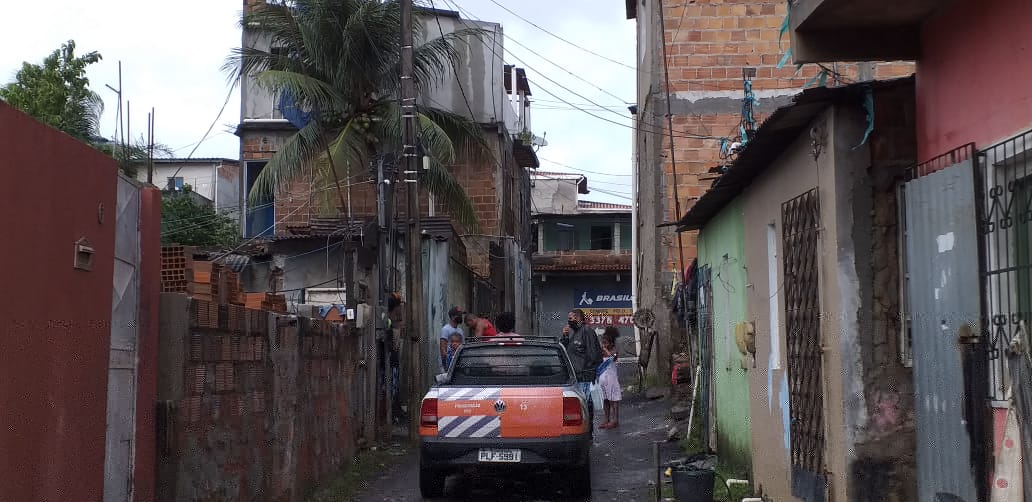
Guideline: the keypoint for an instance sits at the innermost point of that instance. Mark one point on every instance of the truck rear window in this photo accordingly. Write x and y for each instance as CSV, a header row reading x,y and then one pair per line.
x,y
511,365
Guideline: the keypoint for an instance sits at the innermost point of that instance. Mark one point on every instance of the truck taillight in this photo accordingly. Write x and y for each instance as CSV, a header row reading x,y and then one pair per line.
x,y
572,415
428,413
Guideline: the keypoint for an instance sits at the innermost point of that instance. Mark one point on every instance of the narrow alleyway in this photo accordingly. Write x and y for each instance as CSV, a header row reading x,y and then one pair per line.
x,y
621,467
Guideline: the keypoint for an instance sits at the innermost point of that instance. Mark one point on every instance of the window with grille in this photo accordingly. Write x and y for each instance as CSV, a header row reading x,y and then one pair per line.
x,y
801,221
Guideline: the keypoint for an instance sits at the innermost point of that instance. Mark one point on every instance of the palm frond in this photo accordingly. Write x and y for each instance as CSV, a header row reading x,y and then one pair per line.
x,y
292,161
467,136
310,93
447,190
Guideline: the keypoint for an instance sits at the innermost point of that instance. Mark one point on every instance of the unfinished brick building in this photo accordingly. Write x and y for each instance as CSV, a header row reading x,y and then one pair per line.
x,y
711,47
497,269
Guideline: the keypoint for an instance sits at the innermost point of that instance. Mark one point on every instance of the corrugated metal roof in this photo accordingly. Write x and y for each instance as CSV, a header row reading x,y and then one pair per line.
x,y
772,138
593,267
194,160
587,204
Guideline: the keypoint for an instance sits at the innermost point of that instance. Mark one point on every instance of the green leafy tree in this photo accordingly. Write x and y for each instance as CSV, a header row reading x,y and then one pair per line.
x,y
134,157
186,221
57,92
340,62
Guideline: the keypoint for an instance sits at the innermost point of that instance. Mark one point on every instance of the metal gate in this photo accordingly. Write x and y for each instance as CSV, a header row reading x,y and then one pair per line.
x,y
941,246
800,219
120,447
1005,173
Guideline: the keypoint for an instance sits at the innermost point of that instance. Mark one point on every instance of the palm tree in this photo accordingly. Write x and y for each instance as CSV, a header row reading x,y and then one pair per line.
x,y
338,61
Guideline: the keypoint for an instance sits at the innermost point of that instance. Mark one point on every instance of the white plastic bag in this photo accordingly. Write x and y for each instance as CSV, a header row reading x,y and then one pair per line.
x,y
596,396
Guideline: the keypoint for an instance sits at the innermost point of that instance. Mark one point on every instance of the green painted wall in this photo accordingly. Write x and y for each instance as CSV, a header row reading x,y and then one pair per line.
x,y
725,235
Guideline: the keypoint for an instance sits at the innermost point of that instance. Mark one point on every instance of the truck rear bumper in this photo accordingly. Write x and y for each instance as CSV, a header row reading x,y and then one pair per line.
x,y
566,451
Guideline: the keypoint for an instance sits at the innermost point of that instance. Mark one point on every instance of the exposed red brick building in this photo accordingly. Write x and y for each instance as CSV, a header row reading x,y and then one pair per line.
x,y
709,46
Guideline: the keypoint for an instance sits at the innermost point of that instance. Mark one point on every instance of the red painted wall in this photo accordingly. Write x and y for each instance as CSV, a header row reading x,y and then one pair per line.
x,y
54,320
147,372
973,78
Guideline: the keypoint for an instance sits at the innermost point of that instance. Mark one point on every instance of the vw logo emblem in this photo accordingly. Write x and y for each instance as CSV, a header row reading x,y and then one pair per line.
x,y
499,406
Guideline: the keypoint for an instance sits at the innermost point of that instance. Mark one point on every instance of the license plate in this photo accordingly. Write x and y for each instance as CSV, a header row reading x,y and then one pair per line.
x,y
499,456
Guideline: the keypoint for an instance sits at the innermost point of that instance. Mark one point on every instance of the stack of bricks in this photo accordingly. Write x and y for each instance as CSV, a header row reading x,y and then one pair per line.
x,y
201,286
274,302
175,261
254,300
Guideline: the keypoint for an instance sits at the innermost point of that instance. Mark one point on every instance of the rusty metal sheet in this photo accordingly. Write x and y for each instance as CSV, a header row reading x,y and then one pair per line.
x,y
942,256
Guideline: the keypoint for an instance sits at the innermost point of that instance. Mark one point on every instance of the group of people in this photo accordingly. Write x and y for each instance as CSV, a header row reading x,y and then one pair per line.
x,y
593,360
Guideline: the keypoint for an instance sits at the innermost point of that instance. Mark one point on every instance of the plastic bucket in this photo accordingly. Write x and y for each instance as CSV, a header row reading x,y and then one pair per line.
x,y
693,485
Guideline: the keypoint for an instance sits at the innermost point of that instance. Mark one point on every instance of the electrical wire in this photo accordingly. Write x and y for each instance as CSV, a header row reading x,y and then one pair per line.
x,y
567,89
583,170
213,122
589,51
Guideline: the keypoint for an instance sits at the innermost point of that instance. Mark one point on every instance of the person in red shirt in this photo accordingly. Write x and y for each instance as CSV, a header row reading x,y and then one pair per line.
x,y
479,327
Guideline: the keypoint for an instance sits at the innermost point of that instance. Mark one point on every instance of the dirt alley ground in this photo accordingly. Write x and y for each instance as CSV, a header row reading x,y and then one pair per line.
x,y
622,467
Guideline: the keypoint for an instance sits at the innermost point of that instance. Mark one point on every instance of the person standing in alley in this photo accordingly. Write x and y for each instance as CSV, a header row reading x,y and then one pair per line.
x,y
450,328
585,353
505,324
479,327
608,379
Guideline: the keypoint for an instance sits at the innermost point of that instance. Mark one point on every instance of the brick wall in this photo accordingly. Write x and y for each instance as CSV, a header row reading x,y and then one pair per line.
x,y
709,43
494,187
253,406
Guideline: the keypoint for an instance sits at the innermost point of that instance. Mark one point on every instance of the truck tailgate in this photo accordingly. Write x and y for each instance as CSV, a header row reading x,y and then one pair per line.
x,y
500,412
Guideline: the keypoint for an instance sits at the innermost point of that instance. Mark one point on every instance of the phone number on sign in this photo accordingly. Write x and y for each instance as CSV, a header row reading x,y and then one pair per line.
x,y
608,320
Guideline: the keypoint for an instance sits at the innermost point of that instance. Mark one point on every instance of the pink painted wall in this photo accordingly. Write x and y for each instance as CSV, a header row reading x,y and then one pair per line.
x,y
54,319
973,78
147,372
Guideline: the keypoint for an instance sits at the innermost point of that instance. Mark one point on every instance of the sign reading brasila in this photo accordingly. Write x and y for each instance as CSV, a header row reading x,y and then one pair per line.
x,y
604,299
605,308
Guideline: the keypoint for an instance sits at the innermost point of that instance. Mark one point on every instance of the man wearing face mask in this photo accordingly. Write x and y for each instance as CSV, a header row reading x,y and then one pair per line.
x,y
585,352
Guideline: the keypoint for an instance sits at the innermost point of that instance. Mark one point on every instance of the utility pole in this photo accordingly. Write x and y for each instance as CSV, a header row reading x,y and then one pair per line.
x,y
382,185
414,277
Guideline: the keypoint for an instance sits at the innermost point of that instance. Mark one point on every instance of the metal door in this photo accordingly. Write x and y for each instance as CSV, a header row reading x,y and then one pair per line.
x,y
941,246
121,399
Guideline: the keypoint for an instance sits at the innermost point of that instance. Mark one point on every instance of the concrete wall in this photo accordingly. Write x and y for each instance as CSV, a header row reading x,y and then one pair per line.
x,y
792,174
722,248
555,196
868,411
480,72
254,406
54,362
971,75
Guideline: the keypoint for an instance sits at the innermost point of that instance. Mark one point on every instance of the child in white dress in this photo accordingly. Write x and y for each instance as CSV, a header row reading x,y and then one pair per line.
x,y
609,380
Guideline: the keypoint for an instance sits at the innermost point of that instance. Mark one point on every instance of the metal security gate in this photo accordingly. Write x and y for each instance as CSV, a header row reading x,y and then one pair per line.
x,y
800,219
941,246
1005,175
120,448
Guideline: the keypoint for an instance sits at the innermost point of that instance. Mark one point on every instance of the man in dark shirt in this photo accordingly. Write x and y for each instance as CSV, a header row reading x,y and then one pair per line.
x,y
585,353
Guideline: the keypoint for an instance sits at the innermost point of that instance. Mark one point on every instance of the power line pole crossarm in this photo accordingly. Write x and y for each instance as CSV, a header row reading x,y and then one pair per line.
x,y
414,276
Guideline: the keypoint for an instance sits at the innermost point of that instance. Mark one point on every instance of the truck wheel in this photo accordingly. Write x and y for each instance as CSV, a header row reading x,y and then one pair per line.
x,y
431,483
581,477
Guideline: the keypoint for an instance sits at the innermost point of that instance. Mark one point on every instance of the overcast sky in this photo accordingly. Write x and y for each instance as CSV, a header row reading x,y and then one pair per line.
x,y
172,52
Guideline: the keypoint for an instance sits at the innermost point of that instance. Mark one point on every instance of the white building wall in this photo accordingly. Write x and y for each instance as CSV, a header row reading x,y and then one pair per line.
x,y
199,176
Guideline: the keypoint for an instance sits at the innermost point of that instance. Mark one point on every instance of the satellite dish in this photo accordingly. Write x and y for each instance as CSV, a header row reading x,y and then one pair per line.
x,y
644,318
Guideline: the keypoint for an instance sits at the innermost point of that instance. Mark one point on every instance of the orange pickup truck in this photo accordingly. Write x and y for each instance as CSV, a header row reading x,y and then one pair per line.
x,y
506,405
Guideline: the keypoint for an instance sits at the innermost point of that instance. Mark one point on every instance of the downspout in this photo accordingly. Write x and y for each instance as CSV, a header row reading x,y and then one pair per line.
x,y
634,237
